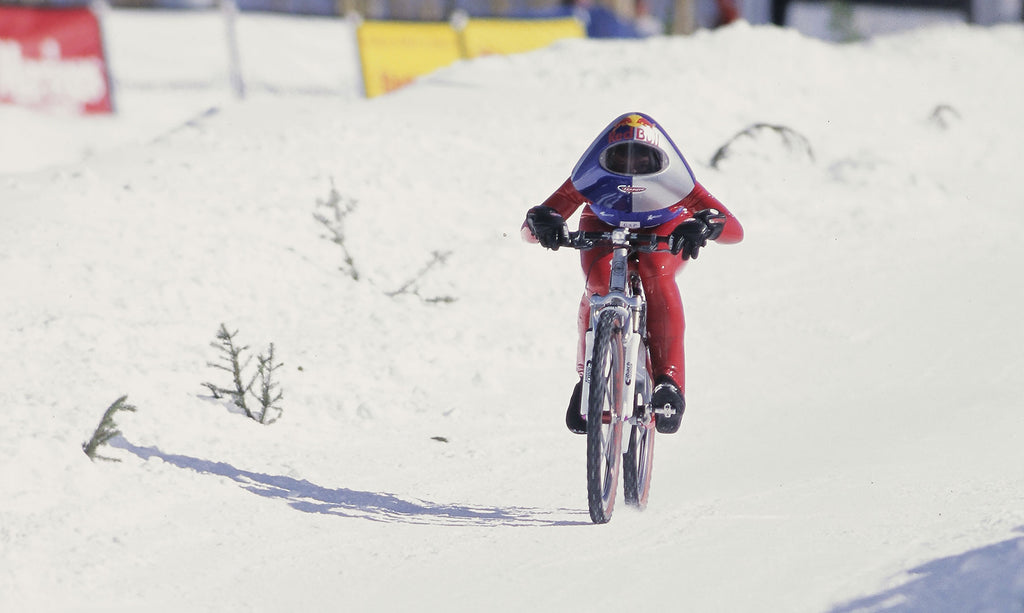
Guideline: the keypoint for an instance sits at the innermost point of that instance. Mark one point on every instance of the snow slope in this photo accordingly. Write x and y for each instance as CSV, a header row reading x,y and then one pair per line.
x,y
853,434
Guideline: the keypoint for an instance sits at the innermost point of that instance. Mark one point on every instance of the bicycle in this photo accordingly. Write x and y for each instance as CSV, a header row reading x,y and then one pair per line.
x,y
617,375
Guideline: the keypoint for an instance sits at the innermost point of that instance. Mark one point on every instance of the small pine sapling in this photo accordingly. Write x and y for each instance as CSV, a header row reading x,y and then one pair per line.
x,y
231,358
270,393
339,208
106,430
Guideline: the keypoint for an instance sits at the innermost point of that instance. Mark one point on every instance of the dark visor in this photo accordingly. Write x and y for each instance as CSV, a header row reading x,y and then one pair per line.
x,y
633,158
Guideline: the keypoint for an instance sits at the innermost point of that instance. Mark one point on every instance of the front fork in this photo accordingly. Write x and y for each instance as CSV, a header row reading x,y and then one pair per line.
x,y
637,386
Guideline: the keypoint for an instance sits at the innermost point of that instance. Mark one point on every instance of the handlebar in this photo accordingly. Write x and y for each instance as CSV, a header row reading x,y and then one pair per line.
x,y
636,241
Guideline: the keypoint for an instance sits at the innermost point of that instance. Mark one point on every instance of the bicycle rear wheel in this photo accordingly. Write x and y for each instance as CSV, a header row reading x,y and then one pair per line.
x,y
639,461
604,415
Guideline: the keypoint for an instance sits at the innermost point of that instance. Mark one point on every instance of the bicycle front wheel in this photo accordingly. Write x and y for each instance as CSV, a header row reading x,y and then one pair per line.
x,y
604,415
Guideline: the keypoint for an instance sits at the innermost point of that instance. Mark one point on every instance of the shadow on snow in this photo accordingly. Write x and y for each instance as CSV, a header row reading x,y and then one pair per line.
x,y
311,498
989,578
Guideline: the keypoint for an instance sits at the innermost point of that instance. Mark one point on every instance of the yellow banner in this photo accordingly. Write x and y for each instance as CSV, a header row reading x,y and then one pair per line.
x,y
393,53
501,36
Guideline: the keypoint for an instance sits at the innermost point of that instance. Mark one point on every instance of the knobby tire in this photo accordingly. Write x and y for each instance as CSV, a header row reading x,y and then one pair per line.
x,y
604,415
638,463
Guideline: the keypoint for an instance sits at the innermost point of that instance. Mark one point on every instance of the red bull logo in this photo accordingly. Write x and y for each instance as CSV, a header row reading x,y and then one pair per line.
x,y
634,127
634,121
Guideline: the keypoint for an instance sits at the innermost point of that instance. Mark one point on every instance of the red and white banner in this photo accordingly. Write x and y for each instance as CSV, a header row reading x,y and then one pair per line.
x,y
52,58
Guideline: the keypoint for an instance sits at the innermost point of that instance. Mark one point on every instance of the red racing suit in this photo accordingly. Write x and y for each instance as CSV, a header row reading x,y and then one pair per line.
x,y
665,321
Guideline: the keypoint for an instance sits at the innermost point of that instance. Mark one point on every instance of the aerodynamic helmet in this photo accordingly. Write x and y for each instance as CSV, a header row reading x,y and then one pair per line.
x,y
633,173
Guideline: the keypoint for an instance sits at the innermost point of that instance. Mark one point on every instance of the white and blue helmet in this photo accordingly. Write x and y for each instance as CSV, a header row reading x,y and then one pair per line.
x,y
633,173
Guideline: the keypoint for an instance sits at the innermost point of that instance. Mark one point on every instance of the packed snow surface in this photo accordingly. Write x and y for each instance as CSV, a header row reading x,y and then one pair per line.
x,y
854,432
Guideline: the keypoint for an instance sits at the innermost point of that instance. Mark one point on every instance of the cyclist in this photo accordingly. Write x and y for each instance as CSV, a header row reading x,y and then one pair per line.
x,y
633,176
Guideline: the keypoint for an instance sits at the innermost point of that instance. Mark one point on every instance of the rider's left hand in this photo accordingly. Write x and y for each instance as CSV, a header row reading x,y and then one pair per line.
x,y
715,221
694,233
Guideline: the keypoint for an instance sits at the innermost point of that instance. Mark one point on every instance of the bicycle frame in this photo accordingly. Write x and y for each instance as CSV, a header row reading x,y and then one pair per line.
x,y
629,303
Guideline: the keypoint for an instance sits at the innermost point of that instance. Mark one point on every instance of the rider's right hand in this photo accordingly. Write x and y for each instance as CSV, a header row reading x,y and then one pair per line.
x,y
548,226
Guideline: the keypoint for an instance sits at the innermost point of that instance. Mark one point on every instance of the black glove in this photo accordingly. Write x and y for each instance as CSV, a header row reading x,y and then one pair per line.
x,y
548,226
694,233
715,221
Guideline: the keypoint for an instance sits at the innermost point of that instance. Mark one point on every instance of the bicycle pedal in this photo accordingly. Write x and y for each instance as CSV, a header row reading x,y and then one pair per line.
x,y
665,410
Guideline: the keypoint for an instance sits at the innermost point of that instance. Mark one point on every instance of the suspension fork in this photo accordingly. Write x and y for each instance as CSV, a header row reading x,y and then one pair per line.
x,y
631,312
